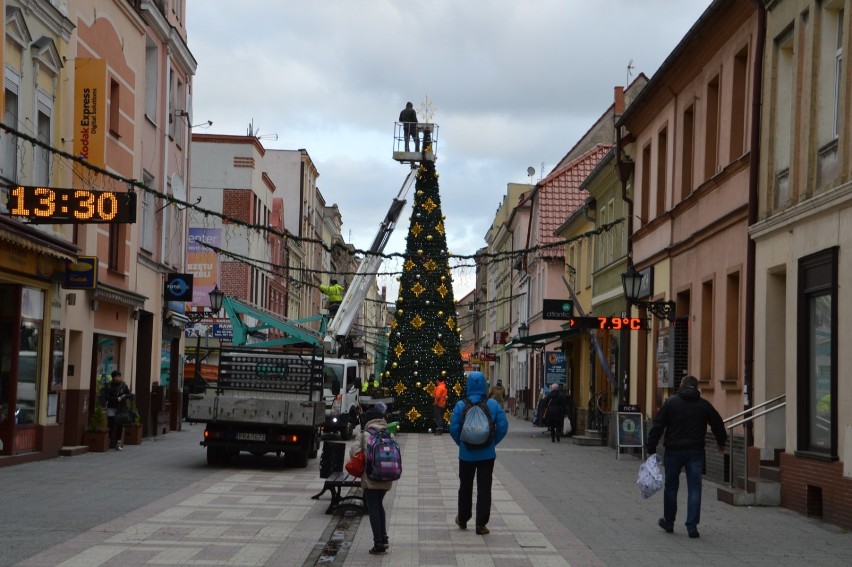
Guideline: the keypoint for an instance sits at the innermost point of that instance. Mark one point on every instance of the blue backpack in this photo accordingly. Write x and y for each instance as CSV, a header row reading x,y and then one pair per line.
x,y
383,456
478,427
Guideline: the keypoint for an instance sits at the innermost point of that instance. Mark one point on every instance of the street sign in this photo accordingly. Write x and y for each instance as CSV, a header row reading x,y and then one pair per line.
x,y
557,309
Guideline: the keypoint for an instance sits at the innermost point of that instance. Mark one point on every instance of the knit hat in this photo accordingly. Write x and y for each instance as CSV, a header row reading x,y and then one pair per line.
x,y
381,408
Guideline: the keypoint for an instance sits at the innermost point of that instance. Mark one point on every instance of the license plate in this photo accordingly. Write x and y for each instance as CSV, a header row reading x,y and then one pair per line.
x,y
251,436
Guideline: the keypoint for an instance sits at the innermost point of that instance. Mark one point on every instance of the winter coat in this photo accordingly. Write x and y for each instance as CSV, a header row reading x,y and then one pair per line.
x,y
555,409
441,394
381,425
684,418
476,391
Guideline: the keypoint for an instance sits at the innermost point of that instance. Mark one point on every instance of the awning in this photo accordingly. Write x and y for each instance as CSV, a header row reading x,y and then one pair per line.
x,y
533,340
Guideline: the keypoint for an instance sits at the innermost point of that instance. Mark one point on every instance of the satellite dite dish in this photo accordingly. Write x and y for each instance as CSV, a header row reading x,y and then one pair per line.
x,y
530,171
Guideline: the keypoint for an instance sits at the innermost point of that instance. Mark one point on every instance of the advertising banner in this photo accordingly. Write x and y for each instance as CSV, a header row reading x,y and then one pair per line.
x,y
555,370
90,97
203,262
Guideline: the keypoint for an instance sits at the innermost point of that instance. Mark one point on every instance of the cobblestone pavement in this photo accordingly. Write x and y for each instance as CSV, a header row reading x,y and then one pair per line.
x,y
555,504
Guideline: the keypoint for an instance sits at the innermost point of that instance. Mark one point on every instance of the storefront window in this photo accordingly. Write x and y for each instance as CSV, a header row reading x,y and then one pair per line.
x,y
817,370
32,315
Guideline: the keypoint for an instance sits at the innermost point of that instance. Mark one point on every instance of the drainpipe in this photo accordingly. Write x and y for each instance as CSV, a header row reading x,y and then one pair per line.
x,y
625,172
753,195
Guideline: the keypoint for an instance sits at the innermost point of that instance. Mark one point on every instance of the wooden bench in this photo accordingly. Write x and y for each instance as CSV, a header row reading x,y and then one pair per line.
x,y
334,484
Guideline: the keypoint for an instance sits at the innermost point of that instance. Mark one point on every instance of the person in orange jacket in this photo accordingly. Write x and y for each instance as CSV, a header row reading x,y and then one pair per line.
x,y
440,405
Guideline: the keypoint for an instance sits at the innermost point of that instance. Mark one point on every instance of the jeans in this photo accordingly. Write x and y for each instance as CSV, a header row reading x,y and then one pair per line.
x,y
693,463
483,470
438,414
376,510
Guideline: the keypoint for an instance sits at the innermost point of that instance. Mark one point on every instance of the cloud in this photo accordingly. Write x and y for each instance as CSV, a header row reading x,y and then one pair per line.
x,y
514,85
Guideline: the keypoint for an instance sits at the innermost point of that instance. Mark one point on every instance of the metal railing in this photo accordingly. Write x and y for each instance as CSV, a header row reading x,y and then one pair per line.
x,y
746,423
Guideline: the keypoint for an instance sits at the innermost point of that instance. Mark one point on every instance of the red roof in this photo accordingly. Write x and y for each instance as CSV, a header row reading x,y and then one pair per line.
x,y
558,196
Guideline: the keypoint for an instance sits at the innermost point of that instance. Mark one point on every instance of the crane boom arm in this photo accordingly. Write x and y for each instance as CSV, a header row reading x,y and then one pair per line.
x,y
360,285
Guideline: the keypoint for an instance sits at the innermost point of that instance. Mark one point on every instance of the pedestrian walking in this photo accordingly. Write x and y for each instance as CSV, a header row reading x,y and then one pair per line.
x,y
478,463
498,392
117,397
439,405
684,418
375,490
555,409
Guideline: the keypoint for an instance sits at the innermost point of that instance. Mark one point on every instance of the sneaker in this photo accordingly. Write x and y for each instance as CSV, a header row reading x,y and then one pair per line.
x,y
662,523
694,534
482,530
460,524
377,549
385,543
119,446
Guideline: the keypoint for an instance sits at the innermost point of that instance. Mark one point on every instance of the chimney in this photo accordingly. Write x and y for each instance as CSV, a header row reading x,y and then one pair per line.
x,y
619,102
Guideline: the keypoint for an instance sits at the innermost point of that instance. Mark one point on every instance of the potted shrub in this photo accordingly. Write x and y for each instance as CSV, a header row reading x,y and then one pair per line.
x,y
97,432
133,430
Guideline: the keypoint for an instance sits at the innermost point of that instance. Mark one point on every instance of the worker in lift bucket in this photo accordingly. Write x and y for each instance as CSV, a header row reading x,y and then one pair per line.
x,y
334,294
408,118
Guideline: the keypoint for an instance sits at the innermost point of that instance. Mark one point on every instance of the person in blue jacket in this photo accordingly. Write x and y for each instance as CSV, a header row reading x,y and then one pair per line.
x,y
477,463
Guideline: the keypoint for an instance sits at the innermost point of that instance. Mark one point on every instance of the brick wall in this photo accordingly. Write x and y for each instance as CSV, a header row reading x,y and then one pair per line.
x,y
237,203
816,488
235,278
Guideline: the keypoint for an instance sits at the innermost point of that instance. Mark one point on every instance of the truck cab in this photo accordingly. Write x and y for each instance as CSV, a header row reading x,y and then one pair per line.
x,y
342,396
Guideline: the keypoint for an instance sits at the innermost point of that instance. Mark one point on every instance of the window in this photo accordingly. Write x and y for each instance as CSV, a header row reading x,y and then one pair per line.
x,y
711,125
41,168
687,152
146,228
782,113
114,107
645,189
739,99
706,352
732,327
817,354
662,168
152,73
9,143
838,67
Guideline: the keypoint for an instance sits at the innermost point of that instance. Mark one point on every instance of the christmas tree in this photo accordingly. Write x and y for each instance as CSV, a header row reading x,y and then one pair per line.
x,y
424,339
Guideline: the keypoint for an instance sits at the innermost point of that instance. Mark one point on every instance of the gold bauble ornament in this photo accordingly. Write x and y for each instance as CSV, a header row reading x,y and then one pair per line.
x,y
394,365
429,237
440,313
420,251
417,384
443,372
400,311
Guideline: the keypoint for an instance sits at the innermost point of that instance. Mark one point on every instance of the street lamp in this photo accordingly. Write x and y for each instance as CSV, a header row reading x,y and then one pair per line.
x,y
631,281
523,330
217,297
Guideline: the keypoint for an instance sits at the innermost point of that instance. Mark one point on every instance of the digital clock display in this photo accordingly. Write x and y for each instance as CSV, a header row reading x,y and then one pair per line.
x,y
50,205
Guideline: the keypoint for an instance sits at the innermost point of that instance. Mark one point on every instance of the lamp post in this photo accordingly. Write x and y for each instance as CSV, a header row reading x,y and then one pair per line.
x,y
631,281
217,297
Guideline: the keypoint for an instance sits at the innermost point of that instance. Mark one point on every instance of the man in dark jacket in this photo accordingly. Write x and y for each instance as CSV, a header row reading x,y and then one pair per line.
x,y
408,118
684,417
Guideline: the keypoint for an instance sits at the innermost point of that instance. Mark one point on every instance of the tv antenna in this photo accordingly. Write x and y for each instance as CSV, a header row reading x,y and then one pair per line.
x,y
255,133
629,72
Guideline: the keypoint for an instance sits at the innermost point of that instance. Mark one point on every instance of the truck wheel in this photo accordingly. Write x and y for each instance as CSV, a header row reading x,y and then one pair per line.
x,y
315,445
296,460
214,456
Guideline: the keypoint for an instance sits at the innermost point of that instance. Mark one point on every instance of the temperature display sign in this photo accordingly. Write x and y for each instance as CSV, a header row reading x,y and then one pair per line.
x,y
49,205
611,323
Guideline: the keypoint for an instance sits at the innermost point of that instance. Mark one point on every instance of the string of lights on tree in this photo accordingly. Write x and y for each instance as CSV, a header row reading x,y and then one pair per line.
x,y
424,338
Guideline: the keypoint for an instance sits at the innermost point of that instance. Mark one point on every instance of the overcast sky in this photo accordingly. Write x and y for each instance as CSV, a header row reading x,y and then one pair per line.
x,y
514,84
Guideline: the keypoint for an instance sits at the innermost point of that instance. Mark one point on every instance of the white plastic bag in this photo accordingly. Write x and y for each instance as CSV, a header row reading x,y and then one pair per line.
x,y
566,426
650,479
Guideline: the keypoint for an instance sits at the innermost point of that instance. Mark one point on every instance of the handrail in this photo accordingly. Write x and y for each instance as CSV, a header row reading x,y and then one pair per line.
x,y
764,412
767,402
748,422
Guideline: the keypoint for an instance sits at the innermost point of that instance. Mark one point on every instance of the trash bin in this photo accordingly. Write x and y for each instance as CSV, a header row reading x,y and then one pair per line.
x,y
332,458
